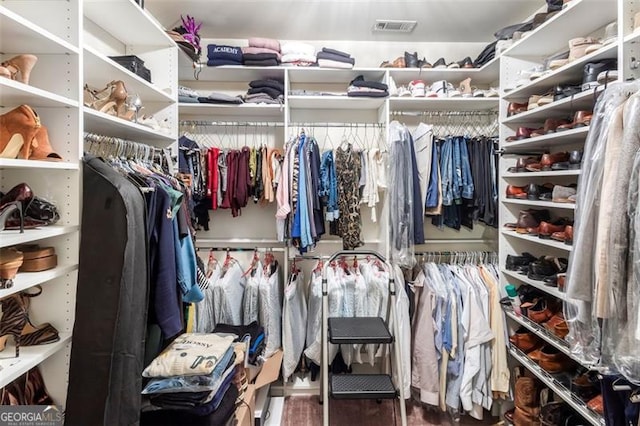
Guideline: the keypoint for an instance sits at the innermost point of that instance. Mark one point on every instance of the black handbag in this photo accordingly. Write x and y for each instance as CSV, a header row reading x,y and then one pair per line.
x,y
133,64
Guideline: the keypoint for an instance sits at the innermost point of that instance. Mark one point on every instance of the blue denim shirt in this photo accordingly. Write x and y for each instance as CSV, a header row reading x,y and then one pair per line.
x,y
434,181
446,171
457,171
467,178
306,238
186,267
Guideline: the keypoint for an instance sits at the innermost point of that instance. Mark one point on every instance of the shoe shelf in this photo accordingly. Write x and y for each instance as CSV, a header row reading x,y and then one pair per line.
x,y
30,356
540,331
553,291
484,76
558,388
552,141
25,280
552,173
535,239
334,102
14,237
578,19
226,73
10,163
15,93
571,72
566,206
19,35
443,104
127,22
255,111
560,108
100,70
105,124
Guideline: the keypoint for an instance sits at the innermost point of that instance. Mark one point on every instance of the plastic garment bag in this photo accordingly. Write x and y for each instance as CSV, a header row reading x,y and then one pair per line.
x,y
294,324
205,309
228,293
252,294
404,336
314,320
400,196
270,313
584,334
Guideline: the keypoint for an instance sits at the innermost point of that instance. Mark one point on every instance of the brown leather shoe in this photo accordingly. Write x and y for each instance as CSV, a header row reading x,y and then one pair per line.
x,y
552,360
541,310
550,126
580,119
527,223
526,401
525,340
521,133
557,325
547,228
518,192
559,236
597,404
568,235
549,160
522,163
516,108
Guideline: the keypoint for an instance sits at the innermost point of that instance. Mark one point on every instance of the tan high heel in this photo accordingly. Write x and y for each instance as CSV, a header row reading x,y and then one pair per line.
x,y
108,100
465,88
21,64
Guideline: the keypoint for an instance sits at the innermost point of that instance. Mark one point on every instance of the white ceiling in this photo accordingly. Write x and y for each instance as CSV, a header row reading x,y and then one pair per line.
x,y
438,20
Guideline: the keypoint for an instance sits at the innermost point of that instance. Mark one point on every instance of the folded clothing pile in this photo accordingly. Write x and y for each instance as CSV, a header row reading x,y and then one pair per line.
x,y
298,54
218,54
331,58
262,52
257,338
359,87
265,92
220,98
194,381
187,95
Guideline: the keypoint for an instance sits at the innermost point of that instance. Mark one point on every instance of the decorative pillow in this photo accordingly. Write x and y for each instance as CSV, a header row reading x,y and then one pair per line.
x,y
190,354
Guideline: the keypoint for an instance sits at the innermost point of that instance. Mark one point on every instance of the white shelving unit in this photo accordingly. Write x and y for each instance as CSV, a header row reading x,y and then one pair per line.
x,y
51,31
546,40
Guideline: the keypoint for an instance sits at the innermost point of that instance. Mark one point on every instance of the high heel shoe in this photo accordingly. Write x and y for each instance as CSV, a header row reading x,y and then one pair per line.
x,y
10,261
7,211
13,321
31,334
22,65
465,88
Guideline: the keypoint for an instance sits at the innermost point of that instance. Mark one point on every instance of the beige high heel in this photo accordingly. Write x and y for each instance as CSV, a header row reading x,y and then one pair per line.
x,y
21,64
465,88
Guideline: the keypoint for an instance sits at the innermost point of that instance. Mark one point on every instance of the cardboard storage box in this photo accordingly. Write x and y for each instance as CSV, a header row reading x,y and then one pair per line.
x,y
268,373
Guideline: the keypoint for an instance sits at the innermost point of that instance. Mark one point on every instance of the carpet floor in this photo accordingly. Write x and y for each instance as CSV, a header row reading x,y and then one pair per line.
x,y
306,411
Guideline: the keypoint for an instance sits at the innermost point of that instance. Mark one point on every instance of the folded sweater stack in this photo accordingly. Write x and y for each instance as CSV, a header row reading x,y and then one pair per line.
x,y
331,58
298,54
218,55
360,88
262,52
265,92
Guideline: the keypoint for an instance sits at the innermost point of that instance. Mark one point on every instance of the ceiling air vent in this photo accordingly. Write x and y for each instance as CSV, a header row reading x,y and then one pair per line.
x,y
394,26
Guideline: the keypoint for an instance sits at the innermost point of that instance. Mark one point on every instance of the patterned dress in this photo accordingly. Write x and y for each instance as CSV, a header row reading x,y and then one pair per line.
x,y
349,224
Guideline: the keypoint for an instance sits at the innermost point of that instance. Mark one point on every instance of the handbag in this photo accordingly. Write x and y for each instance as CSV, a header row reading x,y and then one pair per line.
x,y
133,64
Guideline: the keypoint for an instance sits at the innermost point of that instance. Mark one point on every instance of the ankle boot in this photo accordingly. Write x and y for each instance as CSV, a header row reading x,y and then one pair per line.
x,y
411,59
527,400
19,67
18,127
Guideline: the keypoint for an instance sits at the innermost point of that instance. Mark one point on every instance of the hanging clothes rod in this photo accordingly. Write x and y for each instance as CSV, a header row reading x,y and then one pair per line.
x,y
452,241
231,123
446,253
242,249
304,257
445,113
340,125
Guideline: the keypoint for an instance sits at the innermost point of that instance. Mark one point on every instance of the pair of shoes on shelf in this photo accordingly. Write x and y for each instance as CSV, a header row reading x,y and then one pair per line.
x,y
113,100
15,323
22,135
18,68
21,209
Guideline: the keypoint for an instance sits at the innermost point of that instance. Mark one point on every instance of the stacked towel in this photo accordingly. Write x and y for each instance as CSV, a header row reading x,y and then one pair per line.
x,y
359,87
331,58
299,54
265,91
223,55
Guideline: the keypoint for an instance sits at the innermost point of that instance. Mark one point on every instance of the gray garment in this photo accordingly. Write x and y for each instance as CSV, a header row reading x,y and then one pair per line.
x,y
424,365
294,324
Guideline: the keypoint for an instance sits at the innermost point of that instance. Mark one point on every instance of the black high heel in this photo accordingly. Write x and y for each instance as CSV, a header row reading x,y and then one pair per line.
x,y
7,210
